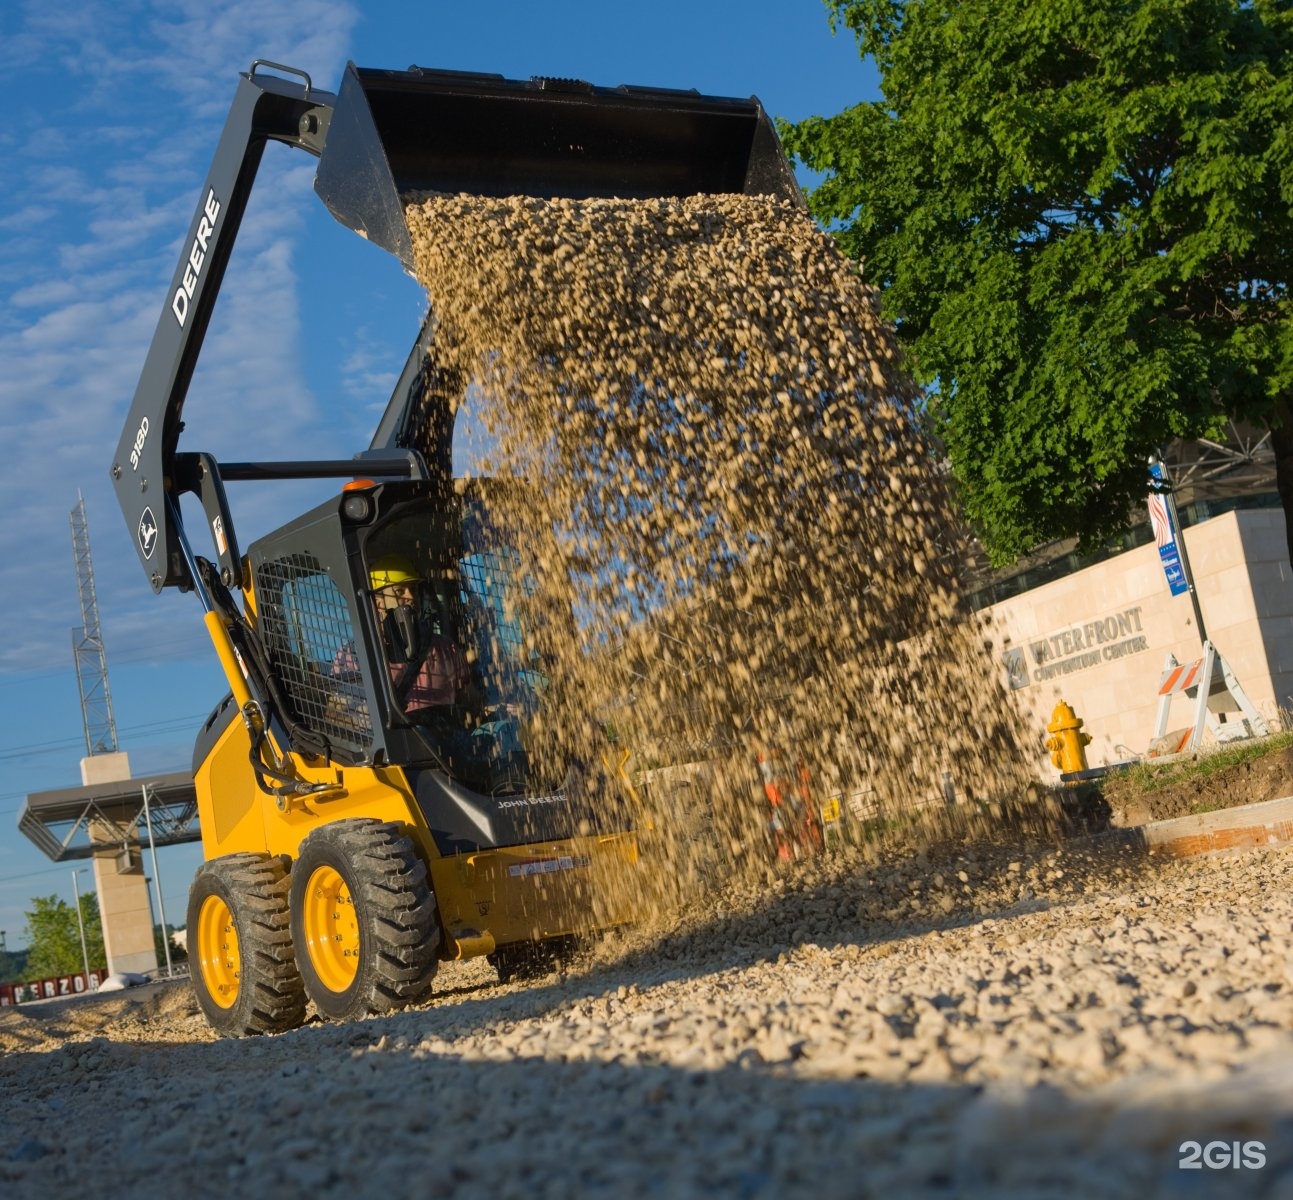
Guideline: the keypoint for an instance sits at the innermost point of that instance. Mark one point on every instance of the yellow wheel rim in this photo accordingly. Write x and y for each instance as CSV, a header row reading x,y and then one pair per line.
x,y
331,929
218,956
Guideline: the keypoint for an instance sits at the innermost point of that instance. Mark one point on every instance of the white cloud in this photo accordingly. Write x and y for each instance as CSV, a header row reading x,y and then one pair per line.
x,y
43,294
25,218
127,100
46,142
367,373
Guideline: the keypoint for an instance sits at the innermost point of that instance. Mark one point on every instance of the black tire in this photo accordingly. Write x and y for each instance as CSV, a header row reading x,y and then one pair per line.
x,y
363,879
240,952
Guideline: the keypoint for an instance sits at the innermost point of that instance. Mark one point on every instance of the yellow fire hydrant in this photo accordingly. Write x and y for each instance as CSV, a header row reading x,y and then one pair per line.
x,y
1069,743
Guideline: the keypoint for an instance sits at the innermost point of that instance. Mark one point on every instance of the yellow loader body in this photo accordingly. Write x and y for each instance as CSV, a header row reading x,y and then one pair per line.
x,y
487,899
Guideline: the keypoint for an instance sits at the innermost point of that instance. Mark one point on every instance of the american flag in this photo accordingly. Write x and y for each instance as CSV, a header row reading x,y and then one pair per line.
x,y
1159,519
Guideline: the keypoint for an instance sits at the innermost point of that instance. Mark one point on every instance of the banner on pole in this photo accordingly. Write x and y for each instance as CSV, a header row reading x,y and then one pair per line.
x,y
1165,535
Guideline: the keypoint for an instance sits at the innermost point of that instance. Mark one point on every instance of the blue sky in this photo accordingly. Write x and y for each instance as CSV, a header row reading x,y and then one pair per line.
x,y
113,109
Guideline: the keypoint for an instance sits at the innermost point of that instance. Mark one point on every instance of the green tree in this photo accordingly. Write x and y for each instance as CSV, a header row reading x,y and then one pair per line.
x,y
11,965
160,939
54,939
1080,217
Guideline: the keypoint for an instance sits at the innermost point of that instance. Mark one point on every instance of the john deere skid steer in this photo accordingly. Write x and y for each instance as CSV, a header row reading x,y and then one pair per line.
x,y
367,804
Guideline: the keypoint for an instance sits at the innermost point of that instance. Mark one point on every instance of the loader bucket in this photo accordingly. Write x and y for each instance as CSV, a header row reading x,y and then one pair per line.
x,y
395,132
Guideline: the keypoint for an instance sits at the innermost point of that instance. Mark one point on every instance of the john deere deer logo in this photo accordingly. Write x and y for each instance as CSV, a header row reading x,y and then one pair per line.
x,y
147,533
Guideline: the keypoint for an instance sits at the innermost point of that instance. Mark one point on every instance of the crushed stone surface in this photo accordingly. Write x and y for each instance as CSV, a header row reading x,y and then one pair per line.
x,y
977,1019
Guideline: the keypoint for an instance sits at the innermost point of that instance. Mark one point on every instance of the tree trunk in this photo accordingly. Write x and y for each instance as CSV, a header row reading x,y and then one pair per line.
x,y
1282,445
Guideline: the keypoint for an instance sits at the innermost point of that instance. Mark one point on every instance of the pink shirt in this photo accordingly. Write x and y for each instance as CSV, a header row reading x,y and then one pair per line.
x,y
443,672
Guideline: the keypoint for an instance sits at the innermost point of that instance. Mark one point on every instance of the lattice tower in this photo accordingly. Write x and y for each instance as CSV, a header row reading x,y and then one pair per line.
x,y
87,647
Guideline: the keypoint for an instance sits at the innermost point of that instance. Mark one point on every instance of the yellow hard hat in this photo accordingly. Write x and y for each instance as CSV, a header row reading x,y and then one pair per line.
x,y
391,569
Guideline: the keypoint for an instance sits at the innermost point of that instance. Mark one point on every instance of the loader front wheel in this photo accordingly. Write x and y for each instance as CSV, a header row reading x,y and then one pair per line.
x,y
363,919
243,971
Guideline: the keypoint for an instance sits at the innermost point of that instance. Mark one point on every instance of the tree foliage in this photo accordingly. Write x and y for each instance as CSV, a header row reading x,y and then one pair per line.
x,y
1080,215
54,939
163,941
13,966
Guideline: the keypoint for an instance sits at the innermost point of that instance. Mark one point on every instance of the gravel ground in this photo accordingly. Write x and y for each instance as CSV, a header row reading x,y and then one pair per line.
x,y
1021,1022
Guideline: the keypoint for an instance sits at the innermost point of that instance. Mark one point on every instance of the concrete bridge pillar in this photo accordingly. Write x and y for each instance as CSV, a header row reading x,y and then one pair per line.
x,y
119,879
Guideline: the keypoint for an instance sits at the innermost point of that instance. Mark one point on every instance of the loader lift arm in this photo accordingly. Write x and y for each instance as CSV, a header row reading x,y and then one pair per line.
x,y
147,472
264,108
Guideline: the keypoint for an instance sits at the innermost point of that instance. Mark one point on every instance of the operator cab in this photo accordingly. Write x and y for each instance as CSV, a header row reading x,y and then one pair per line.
x,y
442,592
390,617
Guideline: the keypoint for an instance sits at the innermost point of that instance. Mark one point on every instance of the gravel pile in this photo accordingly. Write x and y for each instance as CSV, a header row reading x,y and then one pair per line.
x,y
1025,1021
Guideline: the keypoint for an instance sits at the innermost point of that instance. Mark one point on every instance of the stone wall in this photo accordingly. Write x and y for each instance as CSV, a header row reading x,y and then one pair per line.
x,y
1099,638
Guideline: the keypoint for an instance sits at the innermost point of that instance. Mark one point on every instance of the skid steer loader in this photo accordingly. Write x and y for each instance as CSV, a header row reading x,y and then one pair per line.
x,y
351,838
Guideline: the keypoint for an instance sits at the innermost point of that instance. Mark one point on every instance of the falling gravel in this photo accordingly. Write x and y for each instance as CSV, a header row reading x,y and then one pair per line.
x,y
1014,1020
717,465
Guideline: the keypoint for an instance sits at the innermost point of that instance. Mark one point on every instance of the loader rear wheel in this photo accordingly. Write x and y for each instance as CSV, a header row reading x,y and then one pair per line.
x,y
363,919
244,973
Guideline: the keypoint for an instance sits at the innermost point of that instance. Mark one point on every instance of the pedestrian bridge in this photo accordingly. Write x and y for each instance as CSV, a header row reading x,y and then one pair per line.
x,y
76,822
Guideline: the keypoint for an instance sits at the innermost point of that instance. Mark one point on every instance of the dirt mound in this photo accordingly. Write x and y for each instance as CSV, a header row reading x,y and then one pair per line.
x,y
156,1010
1254,781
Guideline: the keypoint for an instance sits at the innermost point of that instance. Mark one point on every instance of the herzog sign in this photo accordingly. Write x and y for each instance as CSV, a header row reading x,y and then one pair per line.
x,y
1076,648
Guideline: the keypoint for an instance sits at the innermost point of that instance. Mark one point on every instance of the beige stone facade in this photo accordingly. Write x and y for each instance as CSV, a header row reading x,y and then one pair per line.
x,y
1099,638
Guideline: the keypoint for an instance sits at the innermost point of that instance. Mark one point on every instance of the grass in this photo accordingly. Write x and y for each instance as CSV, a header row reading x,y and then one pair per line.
x,y
1149,776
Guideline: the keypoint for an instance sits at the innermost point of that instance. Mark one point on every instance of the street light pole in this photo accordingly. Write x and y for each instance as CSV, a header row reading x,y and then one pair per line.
x,y
157,883
80,924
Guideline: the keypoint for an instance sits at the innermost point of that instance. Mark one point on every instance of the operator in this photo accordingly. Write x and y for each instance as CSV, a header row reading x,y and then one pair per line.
x,y
426,666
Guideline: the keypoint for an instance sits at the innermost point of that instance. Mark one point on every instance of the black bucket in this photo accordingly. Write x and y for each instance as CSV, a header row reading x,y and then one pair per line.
x,y
397,132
